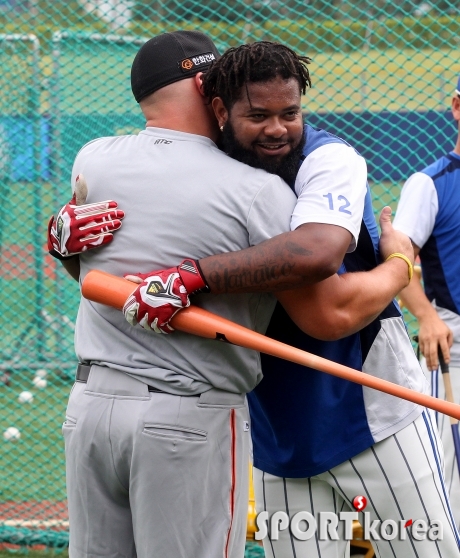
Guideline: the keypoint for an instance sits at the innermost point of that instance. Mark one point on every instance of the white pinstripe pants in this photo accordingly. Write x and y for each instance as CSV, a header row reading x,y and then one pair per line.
x,y
402,479
444,427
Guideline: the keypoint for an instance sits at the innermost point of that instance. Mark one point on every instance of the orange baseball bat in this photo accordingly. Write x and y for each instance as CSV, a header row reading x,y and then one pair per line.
x,y
104,288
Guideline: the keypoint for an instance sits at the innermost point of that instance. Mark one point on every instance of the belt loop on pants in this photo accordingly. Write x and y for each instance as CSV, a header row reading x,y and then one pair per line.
x,y
82,374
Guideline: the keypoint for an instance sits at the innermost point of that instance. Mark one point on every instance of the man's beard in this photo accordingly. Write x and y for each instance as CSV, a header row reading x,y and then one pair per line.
x,y
286,168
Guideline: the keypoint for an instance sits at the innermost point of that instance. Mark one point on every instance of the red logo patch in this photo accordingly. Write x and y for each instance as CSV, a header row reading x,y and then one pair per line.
x,y
359,503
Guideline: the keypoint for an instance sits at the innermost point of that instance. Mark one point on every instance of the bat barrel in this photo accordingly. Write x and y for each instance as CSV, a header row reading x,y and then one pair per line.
x,y
107,289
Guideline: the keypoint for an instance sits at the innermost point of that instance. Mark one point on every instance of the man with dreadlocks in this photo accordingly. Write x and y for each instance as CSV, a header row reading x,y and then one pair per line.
x,y
261,123
319,441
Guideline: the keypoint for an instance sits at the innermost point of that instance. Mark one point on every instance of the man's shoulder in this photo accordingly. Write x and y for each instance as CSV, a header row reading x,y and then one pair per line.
x,y
323,148
438,167
102,143
322,145
419,180
317,137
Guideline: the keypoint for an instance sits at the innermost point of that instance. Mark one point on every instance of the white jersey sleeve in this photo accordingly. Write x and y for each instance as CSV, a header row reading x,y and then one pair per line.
x,y
331,186
417,208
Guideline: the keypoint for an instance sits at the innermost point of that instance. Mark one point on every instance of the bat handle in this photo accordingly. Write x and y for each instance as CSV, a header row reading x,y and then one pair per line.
x,y
416,339
442,363
448,388
450,397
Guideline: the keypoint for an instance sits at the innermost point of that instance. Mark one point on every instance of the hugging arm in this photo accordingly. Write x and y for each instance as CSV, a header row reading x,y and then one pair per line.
x,y
344,304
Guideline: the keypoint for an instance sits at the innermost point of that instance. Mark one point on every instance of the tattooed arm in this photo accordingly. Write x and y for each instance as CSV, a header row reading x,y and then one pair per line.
x,y
304,256
326,309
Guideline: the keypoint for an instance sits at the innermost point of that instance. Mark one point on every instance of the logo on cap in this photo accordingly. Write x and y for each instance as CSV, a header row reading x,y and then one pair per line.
x,y
187,64
195,61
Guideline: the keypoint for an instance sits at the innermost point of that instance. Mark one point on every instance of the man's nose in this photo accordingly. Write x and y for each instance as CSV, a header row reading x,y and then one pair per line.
x,y
275,128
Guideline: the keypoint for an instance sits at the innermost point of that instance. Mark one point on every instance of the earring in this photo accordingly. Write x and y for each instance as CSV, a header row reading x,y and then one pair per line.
x,y
222,128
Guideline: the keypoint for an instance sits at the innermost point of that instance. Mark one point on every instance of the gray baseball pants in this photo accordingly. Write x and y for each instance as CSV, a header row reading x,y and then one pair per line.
x,y
155,475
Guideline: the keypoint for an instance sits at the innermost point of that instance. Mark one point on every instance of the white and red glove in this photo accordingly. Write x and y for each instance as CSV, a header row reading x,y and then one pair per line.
x,y
162,294
78,228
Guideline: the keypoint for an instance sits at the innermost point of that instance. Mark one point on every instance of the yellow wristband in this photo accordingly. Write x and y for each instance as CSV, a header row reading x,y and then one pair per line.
x,y
406,259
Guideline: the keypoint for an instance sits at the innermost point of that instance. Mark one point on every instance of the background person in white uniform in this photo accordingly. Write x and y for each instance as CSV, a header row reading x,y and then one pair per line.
x,y
429,213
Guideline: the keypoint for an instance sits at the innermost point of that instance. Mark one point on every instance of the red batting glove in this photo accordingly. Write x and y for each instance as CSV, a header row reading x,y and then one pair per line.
x,y
78,228
162,294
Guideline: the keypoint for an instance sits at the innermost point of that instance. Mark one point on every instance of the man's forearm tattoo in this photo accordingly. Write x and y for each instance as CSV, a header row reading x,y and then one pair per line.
x,y
230,279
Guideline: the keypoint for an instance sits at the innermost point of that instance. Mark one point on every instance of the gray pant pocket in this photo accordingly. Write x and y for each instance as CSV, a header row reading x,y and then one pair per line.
x,y
176,432
219,399
69,422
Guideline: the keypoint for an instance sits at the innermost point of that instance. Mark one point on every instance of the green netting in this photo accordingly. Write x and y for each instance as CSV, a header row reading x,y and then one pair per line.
x,y
383,74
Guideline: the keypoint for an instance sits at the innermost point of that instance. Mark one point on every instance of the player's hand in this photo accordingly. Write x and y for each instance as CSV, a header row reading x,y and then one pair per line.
x,y
161,294
391,240
78,228
433,332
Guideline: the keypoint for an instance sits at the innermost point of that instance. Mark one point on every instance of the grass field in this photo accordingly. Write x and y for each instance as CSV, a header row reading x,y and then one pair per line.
x,y
34,553
32,468
25,334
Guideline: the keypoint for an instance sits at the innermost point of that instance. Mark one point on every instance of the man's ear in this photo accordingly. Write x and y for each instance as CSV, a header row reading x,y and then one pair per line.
x,y
199,82
456,108
220,111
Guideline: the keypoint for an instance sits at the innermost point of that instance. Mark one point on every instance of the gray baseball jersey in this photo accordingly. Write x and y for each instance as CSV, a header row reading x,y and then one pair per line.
x,y
184,198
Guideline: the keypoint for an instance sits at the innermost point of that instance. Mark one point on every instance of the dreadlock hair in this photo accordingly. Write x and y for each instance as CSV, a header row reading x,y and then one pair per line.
x,y
255,62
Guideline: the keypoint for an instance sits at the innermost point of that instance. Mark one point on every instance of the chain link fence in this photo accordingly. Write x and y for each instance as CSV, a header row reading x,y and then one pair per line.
x,y
383,74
